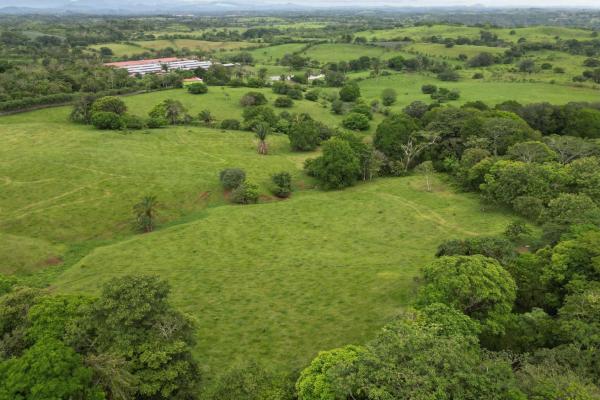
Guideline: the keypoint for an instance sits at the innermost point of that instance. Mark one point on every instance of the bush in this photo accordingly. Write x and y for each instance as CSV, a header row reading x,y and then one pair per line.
x,y
350,92
231,124
106,120
416,109
477,75
312,95
245,193
253,99
448,75
388,97
283,102
295,94
132,122
363,109
156,122
282,184
338,167
257,115
428,89
109,104
231,178
304,135
356,122
197,88
337,106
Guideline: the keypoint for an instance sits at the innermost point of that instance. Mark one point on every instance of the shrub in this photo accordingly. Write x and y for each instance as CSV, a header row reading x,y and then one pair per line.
x,y
350,92
477,75
231,124
253,99
304,135
129,121
428,89
388,97
363,109
295,94
109,104
197,88
231,178
416,109
448,75
312,95
156,122
106,120
338,167
282,184
337,106
356,122
245,193
256,115
283,102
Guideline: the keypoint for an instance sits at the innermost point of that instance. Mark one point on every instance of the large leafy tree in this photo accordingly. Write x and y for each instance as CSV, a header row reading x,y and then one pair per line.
x,y
338,167
476,285
47,370
392,133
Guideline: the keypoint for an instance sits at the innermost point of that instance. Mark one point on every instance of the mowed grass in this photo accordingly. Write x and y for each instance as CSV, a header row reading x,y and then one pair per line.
x,y
408,87
271,54
278,282
342,52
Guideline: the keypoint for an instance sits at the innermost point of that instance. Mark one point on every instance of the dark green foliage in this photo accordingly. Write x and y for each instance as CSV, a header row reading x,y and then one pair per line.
x,y
231,178
105,120
429,89
231,124
197,88
494,247
487,295
448,75
134,122
47,370
416,109
392,133
254,116
282,184
82,110
145,213
337,106
584,123
312,95
388,97
250,381
253,99
356,122
305,134
109,104
283,102
170,110
338,167
364,109
245,193
350,92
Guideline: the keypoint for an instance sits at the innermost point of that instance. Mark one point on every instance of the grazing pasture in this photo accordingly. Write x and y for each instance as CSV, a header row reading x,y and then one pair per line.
x,y
275,283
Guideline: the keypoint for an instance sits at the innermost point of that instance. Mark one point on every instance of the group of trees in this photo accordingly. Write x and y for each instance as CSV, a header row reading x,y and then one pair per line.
x,y
126,343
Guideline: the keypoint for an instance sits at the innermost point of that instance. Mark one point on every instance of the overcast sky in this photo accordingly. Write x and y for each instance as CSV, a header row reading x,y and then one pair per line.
x,y
492,3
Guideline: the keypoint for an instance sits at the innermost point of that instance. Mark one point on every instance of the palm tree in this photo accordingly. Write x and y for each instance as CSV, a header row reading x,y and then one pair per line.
x,y
262,130
145,212
206,117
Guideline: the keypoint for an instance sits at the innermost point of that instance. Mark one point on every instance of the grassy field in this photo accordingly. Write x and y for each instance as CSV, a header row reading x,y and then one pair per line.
x,y
274,282
80,184
440,50
531,34
269,55
123,49
408,87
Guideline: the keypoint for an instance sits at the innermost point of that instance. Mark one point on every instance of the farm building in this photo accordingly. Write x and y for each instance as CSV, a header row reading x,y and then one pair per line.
x,y
158,65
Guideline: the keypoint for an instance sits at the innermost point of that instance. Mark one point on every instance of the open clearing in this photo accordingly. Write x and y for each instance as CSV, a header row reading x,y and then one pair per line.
x,y
273,282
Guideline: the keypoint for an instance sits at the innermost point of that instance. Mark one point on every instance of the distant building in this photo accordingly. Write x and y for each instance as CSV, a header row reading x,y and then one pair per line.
x,y
159,65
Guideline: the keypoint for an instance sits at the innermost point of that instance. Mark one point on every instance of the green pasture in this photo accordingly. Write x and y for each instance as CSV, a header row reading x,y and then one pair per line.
x,y
124,49
531,34
408,87
440,50
278,282
271,54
